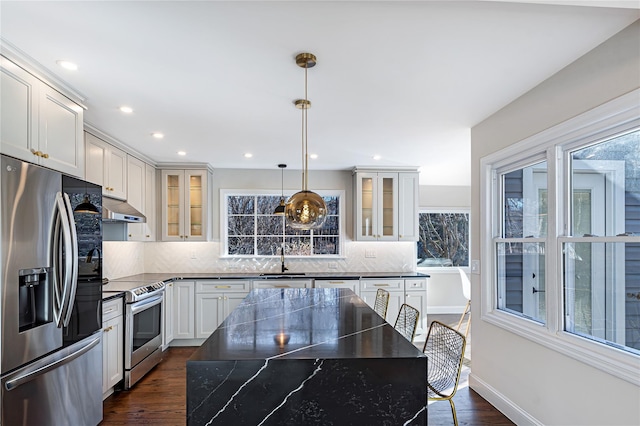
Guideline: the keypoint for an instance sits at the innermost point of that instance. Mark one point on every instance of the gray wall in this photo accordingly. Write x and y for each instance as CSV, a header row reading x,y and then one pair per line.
x,y
547,385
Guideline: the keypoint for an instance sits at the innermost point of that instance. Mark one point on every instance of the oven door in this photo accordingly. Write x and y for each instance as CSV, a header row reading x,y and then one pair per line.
x,y
144,330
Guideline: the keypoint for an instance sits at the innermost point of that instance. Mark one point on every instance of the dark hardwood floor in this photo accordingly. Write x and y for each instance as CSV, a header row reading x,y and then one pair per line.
x,y
160,399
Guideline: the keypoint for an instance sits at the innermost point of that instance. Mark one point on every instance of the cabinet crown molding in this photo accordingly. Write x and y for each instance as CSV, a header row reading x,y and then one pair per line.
x,y
375,169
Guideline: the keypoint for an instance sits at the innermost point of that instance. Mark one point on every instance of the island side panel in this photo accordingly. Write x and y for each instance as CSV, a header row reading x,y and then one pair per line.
x,y
307,392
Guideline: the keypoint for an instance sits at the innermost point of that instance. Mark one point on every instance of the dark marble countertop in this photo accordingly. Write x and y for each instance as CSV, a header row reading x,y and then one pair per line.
x,y
154,277
304,323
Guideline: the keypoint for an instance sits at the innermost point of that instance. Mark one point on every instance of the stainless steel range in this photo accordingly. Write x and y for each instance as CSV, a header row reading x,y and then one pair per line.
x,y
143,326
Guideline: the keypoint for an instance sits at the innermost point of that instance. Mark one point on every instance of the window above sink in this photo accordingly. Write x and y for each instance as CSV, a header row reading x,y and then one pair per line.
x,y
250,229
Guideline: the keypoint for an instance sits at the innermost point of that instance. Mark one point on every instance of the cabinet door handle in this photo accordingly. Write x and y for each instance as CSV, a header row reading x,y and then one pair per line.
x,y
44,155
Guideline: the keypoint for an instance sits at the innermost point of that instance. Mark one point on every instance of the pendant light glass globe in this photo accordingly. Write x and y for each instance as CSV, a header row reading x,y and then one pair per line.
x,y
305,210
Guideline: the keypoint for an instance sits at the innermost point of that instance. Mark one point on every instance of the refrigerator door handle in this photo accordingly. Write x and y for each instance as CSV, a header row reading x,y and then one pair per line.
x,y
20,380
73,283
63,277
57,277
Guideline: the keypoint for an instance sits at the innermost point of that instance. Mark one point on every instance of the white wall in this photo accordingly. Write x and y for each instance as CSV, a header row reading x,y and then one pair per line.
x,y
531,383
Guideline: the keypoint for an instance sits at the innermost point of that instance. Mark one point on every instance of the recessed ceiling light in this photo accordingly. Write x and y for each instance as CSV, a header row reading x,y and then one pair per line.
x,y
248,155
313,156
376,157
157,135
182,153
126,109
67,65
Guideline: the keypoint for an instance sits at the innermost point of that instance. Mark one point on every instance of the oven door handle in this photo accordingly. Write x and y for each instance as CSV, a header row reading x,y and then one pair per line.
x,y
145,304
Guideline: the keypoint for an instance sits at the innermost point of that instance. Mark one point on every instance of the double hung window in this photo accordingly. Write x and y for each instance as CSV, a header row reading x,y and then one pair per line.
x,y
562,234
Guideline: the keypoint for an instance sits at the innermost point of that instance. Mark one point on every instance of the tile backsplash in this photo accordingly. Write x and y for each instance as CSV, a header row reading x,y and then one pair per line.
x,y
130,258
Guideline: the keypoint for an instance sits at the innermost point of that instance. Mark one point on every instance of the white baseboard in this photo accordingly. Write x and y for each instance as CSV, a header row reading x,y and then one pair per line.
x,y
501,402
445,310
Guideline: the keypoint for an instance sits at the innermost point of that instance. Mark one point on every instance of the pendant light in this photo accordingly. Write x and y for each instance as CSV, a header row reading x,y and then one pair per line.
x,y
86,206
280,209
305,209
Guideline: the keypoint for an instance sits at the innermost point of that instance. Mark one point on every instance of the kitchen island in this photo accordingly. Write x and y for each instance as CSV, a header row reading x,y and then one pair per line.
x,y
306,356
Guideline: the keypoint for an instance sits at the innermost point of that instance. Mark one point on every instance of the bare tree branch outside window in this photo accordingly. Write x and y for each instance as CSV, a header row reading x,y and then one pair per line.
x,y
443,239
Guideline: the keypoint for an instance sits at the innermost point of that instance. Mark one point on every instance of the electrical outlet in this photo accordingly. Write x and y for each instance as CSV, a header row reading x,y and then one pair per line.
x,y
369,253
193,254
475,267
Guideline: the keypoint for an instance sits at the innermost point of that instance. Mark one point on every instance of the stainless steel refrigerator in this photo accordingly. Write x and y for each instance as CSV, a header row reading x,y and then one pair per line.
x,y
50,298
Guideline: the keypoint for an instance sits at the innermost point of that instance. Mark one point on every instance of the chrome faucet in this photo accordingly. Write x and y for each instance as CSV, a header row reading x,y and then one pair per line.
x,y
284,268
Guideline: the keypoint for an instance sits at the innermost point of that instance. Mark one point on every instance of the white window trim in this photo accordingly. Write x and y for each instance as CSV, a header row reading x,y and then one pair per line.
x,y
447,269
615,117
224,247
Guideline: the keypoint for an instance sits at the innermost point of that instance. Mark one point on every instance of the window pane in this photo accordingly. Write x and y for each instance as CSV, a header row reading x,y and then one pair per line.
x,y
269,225
268,246
298,246
443,239
521,279
241,245
266,204
240,225
524,192
605,180
602,292
326,245
331,227
333,205
240,204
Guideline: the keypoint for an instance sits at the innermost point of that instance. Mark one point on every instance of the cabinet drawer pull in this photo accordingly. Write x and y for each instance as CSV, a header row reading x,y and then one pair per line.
x,y
336,282
108,311
45,155
381,285
281,286
223,286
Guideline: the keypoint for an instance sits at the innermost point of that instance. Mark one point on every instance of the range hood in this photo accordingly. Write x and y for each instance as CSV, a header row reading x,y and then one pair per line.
x,y
120,211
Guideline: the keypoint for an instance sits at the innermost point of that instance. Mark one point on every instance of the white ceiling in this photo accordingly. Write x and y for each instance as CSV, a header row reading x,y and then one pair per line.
x,y
404,80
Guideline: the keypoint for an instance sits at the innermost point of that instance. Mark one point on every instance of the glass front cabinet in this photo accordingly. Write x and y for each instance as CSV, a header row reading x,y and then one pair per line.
x,y
185,212
386,206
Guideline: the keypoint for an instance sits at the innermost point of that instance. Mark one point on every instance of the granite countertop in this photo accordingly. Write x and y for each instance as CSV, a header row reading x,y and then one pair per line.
x,y
154,277
304,323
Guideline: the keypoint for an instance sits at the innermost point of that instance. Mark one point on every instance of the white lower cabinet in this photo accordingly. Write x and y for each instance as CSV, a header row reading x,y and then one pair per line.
x,y
112,345
199,307
184,309
283,283
167,313
353,285
416,296
412,291
395,287
215,300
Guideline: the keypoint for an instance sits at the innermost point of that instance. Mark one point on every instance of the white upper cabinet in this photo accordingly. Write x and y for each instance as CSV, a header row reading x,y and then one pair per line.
x,y
141,187
185,205
106,166
150,203
408,206
376,206
385,206
39,124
